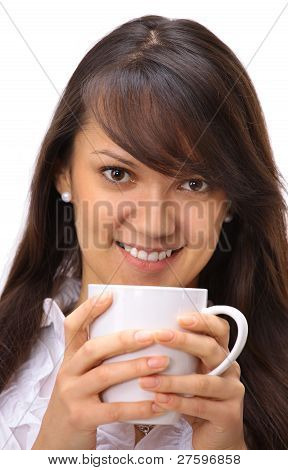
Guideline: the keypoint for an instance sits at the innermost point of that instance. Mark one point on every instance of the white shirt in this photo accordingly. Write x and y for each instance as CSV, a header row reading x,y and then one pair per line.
x,y
25,398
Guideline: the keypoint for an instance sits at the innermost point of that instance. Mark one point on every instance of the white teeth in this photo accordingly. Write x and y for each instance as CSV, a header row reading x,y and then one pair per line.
x,y
153,256
141,254
127,247
133,252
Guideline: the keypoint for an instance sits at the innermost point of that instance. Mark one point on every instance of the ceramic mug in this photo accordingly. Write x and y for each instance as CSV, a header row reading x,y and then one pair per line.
x,y
153,308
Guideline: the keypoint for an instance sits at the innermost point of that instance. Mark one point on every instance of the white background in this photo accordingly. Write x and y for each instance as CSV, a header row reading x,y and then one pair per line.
x,y
42,42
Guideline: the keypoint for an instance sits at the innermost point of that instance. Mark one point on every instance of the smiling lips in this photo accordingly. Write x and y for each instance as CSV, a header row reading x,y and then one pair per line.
x,y
133,257
149,255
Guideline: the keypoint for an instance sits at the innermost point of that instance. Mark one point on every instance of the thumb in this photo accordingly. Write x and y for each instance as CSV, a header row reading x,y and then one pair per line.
x,y
77,322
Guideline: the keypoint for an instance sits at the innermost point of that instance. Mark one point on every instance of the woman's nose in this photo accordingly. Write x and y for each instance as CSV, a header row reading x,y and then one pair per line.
x,y
155,219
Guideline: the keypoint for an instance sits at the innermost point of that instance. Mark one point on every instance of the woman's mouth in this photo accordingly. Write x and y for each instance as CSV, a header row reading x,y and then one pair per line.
x,y
151,262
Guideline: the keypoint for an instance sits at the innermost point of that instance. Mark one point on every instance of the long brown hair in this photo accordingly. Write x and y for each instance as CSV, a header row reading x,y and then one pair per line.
x,y
175,97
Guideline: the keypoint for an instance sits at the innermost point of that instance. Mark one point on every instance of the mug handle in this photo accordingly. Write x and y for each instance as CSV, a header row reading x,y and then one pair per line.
x,y
242,327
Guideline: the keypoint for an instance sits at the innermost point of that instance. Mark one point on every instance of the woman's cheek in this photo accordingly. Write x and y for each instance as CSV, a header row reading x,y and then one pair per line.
x,y
202,235
196,231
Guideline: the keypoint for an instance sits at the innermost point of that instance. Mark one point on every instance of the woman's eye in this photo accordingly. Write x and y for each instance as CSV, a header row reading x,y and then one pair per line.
x,y
196,185
116,175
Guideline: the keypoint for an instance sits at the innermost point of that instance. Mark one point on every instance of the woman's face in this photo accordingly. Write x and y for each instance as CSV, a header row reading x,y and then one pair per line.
x,y
145,209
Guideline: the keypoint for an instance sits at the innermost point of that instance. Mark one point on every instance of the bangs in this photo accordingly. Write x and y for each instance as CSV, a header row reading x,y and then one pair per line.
x,y
156,117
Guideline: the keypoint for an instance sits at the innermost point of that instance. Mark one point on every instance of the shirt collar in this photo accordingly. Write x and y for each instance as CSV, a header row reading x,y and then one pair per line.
x,y
67,295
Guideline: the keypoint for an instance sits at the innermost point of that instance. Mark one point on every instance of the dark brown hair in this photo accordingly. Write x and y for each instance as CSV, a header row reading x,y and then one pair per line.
x,y
175,97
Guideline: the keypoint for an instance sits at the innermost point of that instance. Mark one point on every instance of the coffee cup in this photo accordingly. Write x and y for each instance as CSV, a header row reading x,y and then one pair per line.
x,y
153,308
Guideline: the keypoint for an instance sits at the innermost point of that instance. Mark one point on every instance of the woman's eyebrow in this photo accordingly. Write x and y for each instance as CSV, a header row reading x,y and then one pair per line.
x,y
110,153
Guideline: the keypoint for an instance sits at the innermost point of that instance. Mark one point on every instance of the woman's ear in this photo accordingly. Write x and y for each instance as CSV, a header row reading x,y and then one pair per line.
x,y
62,181
229,217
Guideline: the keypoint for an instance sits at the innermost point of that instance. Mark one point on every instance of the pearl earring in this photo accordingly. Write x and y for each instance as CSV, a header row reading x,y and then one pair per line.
x,y
228,218
66,197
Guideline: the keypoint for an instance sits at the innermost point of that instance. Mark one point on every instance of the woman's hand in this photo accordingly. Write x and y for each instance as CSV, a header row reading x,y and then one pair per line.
x,y
75,408
216,410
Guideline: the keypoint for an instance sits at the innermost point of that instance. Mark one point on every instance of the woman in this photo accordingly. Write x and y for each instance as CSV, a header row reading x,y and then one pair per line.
x,y
173,101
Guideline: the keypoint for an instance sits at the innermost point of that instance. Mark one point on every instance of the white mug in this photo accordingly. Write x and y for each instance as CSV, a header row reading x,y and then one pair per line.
x,y
153,308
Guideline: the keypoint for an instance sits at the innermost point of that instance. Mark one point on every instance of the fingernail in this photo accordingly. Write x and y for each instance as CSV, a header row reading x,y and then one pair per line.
x,y
149,382
143,336
157,362
187,319
164,335
101,298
